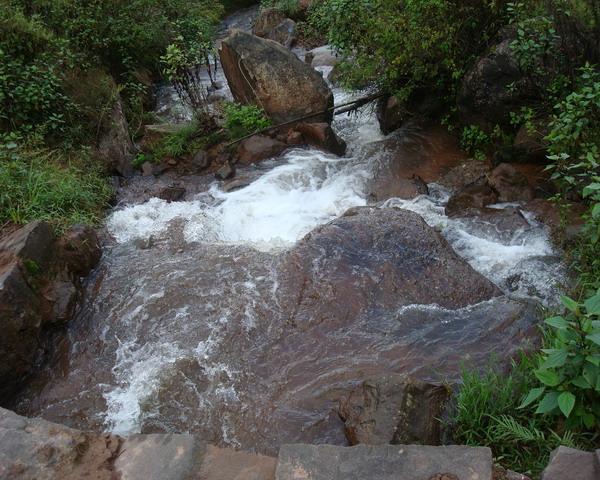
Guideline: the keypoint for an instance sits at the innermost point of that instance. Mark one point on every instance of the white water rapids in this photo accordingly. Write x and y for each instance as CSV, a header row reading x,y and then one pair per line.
x,y
188,334
305,189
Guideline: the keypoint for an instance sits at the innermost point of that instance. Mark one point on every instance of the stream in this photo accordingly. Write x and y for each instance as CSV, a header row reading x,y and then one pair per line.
x,y
186,325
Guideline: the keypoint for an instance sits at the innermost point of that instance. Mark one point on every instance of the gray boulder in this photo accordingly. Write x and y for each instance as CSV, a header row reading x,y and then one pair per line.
x,y
33,449
266,74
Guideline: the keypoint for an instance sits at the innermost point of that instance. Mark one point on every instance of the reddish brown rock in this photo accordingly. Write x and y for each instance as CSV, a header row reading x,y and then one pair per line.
x,y
39,286
510,184
394,409
409,156
322,136
259,147
474,196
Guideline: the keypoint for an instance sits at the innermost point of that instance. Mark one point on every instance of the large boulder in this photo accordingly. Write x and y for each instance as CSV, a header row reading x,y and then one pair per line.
x,y
40,283
264,73
368,244
271,23
115,146
494,87
394,409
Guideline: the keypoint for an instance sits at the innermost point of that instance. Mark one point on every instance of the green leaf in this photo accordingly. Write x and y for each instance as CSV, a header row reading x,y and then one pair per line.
x,y
547,377
557,322
532,396
566,402
592,305
556,359
581,382
594,337
593,359
548,403
569,303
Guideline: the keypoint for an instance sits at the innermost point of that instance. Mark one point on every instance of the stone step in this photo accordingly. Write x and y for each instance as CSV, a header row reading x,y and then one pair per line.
x,y
383,462
568,463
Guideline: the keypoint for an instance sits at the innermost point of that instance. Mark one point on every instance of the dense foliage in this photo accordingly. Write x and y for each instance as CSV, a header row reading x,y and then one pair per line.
x,y
407,45
63,65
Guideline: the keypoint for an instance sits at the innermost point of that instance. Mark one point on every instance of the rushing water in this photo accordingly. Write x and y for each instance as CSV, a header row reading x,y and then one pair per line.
x,y
185,326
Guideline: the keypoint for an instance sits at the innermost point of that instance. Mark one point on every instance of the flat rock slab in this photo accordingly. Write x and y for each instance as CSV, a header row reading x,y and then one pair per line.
x,y
568,463
156,457
386,462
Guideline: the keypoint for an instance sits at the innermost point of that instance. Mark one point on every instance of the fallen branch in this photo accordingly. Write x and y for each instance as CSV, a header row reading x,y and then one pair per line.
x,y
345,108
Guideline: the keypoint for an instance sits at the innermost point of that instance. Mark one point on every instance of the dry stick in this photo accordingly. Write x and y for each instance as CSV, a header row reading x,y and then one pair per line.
x,y
359,103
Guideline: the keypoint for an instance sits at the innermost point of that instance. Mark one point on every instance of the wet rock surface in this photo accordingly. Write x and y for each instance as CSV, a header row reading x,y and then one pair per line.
x,y
428,153
394,409
383,257
39,288
303,328
264,73
320,135
257,148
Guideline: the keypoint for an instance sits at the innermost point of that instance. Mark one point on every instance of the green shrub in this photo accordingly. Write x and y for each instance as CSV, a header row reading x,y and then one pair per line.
x,y
475,141
407,45
242,120
569,368
39,184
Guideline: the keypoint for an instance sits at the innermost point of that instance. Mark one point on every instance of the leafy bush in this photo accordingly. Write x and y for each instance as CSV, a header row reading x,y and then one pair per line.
x,y
407,45
242,120
45,185
570,369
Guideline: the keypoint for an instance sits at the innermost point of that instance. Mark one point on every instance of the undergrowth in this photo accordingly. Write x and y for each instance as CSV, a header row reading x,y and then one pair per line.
x,y
51,185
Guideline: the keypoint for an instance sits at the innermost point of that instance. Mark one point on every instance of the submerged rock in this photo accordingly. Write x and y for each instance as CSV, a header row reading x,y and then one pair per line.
x,y
266,74
477,195
394,409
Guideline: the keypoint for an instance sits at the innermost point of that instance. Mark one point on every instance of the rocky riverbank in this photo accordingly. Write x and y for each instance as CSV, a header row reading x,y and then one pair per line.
x,y
326,288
